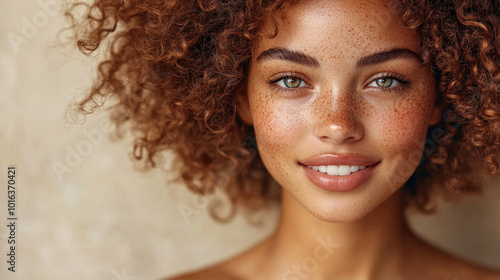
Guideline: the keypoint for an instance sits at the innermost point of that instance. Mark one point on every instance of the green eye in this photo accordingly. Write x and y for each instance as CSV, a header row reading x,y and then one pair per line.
x,y
384,82
292,82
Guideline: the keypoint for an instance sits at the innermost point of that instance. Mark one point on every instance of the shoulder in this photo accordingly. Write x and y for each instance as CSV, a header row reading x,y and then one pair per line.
x,y
471,271
213,273
237,268
241,267
247,265
436,263
456,268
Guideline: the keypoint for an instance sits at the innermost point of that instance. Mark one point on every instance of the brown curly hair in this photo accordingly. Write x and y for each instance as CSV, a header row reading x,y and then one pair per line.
x,y
174,69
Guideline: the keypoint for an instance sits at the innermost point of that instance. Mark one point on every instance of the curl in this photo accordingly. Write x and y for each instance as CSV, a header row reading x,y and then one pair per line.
x,y
173,68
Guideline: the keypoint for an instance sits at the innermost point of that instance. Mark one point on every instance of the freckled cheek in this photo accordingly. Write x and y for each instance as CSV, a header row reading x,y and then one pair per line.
x,y
404,127
278,128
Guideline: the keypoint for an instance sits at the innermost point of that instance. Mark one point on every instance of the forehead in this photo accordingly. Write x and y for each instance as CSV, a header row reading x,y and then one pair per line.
x,y
340,28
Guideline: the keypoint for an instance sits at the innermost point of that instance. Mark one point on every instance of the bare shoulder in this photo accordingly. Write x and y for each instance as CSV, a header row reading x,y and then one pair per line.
x,y
450,267
489,275
247,265
243,267
464,270
215,273
472,271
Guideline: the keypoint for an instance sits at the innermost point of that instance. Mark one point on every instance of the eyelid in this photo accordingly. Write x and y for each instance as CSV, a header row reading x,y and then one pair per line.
x,y
403,82
278,77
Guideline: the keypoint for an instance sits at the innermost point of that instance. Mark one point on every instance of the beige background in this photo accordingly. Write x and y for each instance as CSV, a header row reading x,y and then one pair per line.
x,y
99,218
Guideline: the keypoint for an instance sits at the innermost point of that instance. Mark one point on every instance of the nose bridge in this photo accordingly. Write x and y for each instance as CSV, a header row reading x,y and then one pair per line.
x,y
337,116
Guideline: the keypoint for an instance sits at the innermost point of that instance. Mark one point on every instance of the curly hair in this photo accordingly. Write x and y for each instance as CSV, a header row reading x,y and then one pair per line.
x,y
174,69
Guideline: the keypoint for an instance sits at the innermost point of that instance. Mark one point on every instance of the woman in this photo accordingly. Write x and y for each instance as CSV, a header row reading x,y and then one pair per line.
x,y
357,109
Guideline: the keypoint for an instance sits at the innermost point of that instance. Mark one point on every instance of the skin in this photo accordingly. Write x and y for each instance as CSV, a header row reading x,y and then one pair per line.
x,y
339,108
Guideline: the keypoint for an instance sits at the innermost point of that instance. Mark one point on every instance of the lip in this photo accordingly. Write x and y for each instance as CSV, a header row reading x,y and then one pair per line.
x,y
339,183
339,159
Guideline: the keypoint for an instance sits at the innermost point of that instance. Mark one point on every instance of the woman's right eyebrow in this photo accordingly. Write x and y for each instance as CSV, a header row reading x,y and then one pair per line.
x,y
289,55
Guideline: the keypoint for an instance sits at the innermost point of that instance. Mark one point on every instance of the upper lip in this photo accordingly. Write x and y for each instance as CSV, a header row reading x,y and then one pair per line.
x,y
339,159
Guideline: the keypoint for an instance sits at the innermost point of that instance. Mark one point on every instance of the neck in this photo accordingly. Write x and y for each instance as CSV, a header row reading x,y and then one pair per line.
x,y
305,247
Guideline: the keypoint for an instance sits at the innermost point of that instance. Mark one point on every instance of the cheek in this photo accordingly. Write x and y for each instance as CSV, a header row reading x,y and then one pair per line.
x,y
278,126
403,125
403,131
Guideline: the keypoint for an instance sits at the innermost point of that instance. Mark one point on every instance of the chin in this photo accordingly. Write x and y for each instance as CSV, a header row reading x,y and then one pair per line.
x,y
340,214
349,207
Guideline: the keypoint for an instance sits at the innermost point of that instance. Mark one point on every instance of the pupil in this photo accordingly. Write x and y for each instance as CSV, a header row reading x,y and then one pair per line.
x,y
384,82
292,82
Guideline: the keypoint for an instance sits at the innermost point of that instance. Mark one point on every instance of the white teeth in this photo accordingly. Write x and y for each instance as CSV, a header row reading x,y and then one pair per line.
x,y
344,170
337,170
332,170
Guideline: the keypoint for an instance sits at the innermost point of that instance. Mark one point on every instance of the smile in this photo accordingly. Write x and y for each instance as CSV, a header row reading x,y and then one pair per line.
x,y
338,170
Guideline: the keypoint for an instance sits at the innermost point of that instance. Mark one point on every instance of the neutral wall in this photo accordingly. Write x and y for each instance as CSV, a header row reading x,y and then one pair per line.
x,y
99,218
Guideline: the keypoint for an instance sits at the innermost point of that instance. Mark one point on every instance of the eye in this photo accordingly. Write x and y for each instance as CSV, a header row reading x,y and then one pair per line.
x,y
385,82
388,81
290,82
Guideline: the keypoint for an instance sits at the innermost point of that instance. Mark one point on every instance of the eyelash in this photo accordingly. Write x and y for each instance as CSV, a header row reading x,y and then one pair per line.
x,y
403,82
283,76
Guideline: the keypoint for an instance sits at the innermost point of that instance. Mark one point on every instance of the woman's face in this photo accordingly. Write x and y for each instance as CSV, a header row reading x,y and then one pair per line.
x,y
340,103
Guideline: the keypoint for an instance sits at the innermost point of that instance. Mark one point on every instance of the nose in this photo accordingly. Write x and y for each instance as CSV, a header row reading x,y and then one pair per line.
x,y
337,116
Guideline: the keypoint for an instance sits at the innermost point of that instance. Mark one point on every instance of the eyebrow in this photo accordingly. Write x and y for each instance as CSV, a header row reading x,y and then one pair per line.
x,y
387,55
289,55
307,60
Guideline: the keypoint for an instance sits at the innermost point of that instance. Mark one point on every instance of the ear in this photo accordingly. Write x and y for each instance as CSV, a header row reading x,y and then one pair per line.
x,y
243,107
437,114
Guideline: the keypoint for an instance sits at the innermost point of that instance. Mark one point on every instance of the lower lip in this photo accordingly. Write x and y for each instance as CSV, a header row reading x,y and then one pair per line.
x,y
335,183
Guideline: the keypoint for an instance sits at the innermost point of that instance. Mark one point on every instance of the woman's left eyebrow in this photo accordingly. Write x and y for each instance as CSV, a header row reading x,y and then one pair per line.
x,y
387,55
